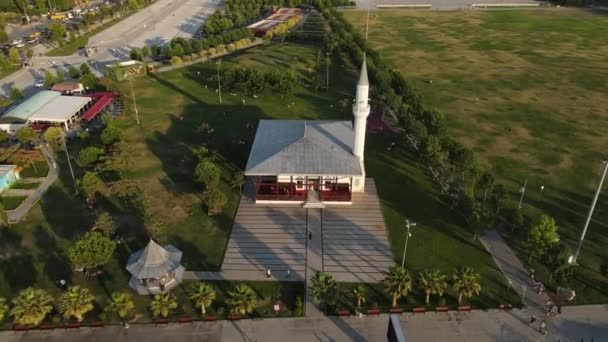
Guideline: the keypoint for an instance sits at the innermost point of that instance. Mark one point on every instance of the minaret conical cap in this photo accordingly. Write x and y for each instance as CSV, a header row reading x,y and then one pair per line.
x,y
363,81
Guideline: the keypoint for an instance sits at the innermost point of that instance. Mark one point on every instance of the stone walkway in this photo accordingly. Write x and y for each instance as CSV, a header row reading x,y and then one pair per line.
x,y
314,257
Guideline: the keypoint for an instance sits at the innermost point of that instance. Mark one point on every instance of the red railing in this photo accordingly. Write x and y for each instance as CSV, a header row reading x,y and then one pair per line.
x,y
335,196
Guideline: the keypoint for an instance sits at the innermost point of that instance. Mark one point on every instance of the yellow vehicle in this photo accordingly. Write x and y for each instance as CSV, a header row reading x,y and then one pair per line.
x,y
34,35
61,16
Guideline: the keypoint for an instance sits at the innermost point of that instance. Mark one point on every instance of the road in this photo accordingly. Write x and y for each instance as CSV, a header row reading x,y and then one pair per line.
x,y
576,324
436,4
163,19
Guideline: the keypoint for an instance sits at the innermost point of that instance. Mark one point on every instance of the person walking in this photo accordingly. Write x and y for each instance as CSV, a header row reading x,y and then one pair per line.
x,y
532,320
543,328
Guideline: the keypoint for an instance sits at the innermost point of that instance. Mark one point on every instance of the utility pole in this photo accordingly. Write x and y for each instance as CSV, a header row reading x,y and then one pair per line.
x,y
523,191
134,103
327,72
219,85
408,224
597,194
65,148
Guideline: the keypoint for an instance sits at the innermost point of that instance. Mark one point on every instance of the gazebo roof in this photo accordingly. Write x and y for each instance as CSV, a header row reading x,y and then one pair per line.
x,y
154,261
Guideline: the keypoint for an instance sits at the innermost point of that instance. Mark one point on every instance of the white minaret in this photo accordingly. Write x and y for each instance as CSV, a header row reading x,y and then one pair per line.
x,y
361,112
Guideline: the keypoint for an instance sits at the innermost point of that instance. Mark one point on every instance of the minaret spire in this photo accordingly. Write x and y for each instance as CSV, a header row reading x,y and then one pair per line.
x,y
361,111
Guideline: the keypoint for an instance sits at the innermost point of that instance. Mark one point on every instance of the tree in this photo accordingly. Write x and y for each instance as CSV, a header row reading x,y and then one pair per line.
x,y
53,137
13,56
466,283
49,79
166,51
57,32
75,302
557,261
29,53
203,295
121,158
360,293
215,200
162,304
105,224
136,54
154,50
238,180
90,155
31,306
207,173
133,4
433,282
121,304
397,283
3,308
498,196
110,135
15,94
73,72
59,78
486,182
85,69
431,148
178,50
242,299
92,250
145,52
542,236
3,136
323,288
26,135
90,184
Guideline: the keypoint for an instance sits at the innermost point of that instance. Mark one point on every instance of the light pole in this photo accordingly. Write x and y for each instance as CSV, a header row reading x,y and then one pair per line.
x,y
219,85
523,191
408,224
134,103
327,71
597,194
65,148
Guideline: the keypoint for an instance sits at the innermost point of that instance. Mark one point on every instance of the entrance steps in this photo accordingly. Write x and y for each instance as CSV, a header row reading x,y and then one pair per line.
x,y
313,201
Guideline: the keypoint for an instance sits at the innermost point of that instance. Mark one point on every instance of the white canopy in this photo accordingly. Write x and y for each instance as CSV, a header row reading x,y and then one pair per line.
x,y
60,109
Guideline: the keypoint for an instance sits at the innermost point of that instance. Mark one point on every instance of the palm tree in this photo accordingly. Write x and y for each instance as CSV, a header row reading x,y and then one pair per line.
x,y
322,286
75,302
3,308
162,304
121,304
433,282
242,299
31,306
203,294
398,282
466,283
360,293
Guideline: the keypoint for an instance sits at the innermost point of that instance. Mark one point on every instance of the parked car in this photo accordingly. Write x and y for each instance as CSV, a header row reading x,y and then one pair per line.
x,y
39,84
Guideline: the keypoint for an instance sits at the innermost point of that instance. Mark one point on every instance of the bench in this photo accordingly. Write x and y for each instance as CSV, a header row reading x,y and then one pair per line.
x,y
21,328
373,312
441,309
464,308
396,310
74,325
234,317
46,327
506,307
210,319
418,310
161,321
182,320
97,324
343,313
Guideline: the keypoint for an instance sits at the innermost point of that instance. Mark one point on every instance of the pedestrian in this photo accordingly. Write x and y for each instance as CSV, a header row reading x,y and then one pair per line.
x,y
288,273
532,320
543,328
559,309
309,235
63,284
268,273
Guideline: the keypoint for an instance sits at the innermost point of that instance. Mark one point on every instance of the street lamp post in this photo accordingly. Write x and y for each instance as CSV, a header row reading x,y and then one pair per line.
x,y
65,148
597,194
408,224
327,70
219,85
134,103
523,191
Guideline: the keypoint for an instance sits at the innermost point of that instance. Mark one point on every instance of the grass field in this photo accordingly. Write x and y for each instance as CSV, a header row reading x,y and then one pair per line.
x,y
25,186
12,202
526,89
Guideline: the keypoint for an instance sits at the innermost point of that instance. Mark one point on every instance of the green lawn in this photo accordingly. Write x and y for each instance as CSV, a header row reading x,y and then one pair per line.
x,y
539,77
12,202
8,71
39,169
25,186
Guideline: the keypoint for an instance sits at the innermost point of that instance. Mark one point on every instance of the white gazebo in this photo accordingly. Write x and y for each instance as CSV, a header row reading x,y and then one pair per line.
x,y
155,269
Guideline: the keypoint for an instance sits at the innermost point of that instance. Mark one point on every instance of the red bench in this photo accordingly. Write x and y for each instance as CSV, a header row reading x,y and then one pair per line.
x,y
184,320
46,327
161,321
373,312
396,310
21,328
210,319
234,317
464,308
343,313
97,324
74,325
419,310
441,309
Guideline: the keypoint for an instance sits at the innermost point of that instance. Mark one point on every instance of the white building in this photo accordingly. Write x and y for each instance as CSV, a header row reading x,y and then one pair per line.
x,y
312,162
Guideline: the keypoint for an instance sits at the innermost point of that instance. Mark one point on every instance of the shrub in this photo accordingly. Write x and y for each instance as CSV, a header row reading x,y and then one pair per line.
x,y
231,47
212,51
176,60
221,48
186,59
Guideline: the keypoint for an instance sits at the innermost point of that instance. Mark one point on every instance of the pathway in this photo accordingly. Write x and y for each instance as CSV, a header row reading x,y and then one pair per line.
x,y
16,215
314,257
575,324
